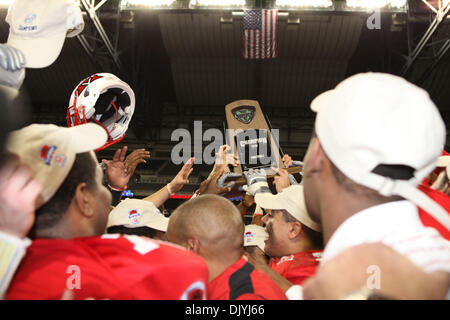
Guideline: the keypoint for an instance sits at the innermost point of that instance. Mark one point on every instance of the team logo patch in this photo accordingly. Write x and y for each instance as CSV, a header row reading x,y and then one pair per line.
x,y
244,114
285,259
317,256
196,291
60,160
29,19
134,216
248,236
47,153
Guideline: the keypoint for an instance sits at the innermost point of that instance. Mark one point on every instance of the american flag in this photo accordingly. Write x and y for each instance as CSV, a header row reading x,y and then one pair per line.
x,y
260,34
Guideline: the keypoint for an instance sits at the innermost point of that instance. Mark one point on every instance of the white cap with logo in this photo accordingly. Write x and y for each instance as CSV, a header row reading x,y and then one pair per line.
x,y
51,150
38,28
134,213
374,119
290,199
255,235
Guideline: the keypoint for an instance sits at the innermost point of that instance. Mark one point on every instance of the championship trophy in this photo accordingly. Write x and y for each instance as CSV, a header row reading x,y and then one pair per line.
x,y
253,141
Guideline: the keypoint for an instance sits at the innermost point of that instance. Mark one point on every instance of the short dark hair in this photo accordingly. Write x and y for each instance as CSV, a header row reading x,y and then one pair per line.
x,y
313,236
83,170
394,172
138,231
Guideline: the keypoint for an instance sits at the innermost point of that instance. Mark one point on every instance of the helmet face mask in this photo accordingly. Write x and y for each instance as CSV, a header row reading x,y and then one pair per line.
x,y
103,99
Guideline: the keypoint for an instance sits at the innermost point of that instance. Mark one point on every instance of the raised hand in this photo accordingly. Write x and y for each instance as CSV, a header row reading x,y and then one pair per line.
x,y
223,159
135,158
116,170
283,179
209,186
19,192
181,178
287,160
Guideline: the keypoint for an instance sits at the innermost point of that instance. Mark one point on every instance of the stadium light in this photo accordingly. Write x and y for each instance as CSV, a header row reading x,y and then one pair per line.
x,y
376,3
399,3
147,3
218,3
5,3
304,3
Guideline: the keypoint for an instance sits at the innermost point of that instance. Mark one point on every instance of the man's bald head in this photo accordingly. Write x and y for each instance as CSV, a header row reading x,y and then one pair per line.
x,y
214,221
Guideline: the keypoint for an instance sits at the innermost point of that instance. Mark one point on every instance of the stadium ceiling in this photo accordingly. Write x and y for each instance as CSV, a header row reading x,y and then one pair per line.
x,y
409,15
285,5
184,61
403,13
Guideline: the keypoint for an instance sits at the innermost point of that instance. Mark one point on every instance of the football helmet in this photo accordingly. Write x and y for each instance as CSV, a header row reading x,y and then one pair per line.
x,y
106,100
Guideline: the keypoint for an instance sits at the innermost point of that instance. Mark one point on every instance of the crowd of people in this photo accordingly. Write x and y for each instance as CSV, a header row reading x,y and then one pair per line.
x,y
367,219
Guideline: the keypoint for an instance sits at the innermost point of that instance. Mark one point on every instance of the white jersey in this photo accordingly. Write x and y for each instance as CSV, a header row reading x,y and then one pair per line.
x,y
398,226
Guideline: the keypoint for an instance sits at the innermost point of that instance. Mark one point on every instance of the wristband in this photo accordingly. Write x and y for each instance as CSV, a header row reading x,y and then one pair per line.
x,y
14,240
12,250
117,189
195,195
295,292
169,190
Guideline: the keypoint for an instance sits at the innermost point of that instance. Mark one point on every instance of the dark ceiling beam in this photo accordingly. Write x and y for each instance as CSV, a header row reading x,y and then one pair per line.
x,y
440,54
91,8
441,14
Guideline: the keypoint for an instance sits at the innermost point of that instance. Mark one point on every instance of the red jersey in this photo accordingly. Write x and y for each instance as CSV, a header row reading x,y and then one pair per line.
x,y
109,267
427,220
242,281
297,267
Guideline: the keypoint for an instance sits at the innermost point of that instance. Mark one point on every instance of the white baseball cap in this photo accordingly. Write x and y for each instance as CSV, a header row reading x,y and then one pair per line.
x,y
290,199
38,28
376,119
51,150
134,213
255,235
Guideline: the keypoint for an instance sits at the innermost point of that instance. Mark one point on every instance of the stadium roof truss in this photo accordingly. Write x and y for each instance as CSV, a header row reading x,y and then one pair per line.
x,y
95,40
103,49
439,48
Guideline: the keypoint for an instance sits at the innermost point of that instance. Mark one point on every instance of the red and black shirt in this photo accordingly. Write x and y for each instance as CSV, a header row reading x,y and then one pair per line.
x,y
242,281
427,220
297,267
109,267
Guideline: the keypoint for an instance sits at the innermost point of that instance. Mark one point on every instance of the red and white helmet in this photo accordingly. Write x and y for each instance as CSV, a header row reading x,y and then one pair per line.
x,y
106,100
